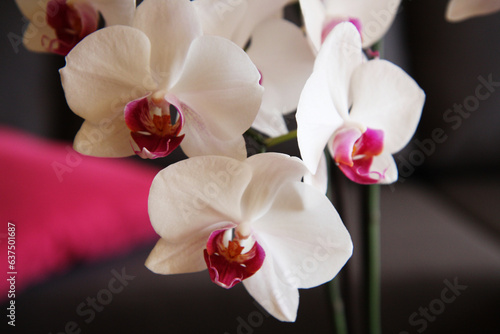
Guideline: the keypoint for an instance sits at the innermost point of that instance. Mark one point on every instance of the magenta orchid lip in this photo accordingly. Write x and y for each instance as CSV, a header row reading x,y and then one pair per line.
x,y
229,260
154,132
353,152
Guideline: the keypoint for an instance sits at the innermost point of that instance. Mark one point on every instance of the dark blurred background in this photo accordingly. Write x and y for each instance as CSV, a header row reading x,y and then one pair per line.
x,y
440,221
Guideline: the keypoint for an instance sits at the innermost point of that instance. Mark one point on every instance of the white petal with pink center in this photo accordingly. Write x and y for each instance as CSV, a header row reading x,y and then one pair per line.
x,y
58,25
163,82
249,221
363,112
373,18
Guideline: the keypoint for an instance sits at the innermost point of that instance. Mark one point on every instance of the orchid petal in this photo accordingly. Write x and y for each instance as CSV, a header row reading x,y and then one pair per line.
x,y
38,39
324,101
285,66
387,99
219,18
197,196
199,141
372,169
384,163
339,57
235,20
177,258
317,120
135,112
153,146
342,146
256,12
371,143
320,179
220,84
270,121
304,234
333,22
30,8
113,66
459,10
360,171
171,26
376,16
275,296
115,11
108,138
269,172
314,14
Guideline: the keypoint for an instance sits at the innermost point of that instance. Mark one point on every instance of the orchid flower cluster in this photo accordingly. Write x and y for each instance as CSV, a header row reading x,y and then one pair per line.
x,y
196,76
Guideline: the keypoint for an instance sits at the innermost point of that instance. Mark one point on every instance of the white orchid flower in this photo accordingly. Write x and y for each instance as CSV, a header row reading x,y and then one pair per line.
x,y
56,26
372,18
278,48
459,10
145,89
363,111
250,221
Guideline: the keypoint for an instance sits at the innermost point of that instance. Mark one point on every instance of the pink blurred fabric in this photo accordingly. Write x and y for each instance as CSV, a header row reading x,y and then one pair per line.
x,y
67,207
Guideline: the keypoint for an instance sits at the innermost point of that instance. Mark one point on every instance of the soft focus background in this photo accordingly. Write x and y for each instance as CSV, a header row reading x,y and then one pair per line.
x,y
83,233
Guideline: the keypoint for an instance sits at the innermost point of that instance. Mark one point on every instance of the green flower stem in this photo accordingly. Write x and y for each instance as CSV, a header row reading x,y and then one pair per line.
x,y
334,193
255,135
372,256
372,244
269,142
338,309
265,142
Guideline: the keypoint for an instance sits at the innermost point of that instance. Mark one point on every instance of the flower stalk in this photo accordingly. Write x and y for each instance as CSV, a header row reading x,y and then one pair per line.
x,y
372,256
337,304
338,309
371,198
269,142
